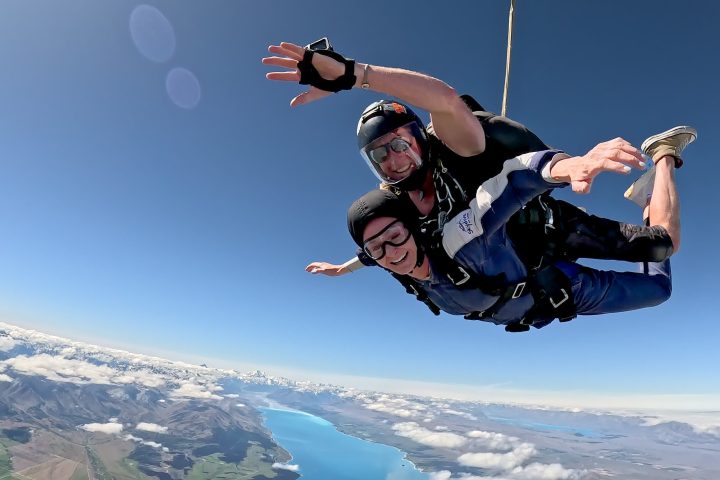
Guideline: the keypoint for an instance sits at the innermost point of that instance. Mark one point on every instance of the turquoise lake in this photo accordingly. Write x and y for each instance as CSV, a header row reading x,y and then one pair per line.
x,y
322,452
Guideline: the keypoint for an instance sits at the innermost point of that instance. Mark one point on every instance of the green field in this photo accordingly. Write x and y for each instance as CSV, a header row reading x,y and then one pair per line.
x,y
97,466
5,460
80,473
212,468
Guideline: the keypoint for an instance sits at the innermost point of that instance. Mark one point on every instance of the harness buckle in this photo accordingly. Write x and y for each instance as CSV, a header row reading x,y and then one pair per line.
x,y
519,288
549,218
475,315
563,300
464,279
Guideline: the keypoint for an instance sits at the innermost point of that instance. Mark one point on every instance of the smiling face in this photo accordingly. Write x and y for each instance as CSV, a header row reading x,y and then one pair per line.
x,y
398,165
396,155
399,256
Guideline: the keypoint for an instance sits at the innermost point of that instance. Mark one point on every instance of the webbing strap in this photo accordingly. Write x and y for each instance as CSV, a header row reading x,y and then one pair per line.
x,y
511,17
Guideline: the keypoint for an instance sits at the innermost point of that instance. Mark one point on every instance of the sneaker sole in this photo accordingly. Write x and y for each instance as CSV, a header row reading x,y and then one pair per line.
x,y
639,186
669,133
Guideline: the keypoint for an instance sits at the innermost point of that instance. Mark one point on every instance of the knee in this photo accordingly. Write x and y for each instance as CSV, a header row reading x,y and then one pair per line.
x,y
658,253
663,290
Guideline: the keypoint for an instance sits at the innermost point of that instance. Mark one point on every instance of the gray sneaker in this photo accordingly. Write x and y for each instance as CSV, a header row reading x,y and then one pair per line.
x,y
671,142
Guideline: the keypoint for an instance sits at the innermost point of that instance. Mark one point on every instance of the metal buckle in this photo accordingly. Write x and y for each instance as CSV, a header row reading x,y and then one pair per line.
x,y
565,298
475,315
466,277
549,219
519,288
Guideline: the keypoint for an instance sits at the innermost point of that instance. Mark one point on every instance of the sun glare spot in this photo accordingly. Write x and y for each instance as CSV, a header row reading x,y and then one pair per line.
x,y
152,33
183,88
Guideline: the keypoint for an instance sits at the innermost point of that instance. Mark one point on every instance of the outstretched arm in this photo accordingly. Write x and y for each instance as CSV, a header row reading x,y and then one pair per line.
x,y
453,121
332,270
528,175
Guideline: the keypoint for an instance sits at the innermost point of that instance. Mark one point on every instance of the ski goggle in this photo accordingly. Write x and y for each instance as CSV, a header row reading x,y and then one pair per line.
x,y
380,154
395,234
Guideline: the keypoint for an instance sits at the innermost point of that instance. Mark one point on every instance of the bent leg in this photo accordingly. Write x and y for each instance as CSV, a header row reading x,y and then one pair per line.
x,y
582,235
598,291
664,205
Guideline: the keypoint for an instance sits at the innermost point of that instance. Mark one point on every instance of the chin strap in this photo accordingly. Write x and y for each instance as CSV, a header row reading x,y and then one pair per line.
x,y
310,76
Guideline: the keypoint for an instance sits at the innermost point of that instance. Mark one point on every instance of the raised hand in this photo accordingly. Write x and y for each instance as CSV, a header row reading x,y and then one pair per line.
x,y
288,56
616,155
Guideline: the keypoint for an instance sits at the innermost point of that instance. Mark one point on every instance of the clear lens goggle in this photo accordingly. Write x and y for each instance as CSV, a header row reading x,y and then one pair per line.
x,y
380,154
397,143
395,234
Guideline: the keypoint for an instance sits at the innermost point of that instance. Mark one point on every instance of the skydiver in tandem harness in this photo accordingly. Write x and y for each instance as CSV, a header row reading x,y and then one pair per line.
x,y
477,261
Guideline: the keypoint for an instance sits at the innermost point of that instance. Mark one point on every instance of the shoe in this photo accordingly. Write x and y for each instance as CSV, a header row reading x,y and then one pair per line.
x,y
671,142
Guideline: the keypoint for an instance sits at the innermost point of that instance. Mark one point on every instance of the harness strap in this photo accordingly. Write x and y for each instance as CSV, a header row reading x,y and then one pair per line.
x,y
552,295
413,289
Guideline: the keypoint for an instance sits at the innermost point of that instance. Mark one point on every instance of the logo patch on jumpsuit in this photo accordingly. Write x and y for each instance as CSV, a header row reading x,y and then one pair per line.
x,y
460,231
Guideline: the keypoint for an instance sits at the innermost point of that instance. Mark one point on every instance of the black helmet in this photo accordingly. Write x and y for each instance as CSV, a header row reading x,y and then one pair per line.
x,y
383,118
375,204
383,203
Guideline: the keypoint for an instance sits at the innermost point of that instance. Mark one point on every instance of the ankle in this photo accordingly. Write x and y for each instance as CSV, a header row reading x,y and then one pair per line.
x,y
668,160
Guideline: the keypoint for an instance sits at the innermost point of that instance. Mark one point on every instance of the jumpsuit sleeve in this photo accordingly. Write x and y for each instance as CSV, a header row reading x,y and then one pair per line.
x,y
499,197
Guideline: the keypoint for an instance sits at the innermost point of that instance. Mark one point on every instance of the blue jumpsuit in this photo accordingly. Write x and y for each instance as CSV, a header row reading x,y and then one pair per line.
x,y
476,238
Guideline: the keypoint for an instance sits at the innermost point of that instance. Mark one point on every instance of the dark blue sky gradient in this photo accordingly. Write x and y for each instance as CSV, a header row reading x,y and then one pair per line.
x,y
132,222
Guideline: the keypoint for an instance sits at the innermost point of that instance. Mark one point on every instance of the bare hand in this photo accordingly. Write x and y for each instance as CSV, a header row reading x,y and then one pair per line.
x,y
616,155
289,56
326,269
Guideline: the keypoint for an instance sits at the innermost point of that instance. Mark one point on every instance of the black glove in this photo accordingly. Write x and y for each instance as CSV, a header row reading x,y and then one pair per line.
x,y
310,76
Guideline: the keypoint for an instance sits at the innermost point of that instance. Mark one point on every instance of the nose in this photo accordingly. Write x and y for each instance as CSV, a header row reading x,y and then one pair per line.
x,y
393,252
397,161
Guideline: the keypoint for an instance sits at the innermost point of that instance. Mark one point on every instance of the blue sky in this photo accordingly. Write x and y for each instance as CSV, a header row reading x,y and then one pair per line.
x,y
178,220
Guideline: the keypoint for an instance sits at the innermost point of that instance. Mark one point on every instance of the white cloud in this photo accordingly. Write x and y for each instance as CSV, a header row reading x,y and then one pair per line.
x,y
133,438
7,343
109,428
141,377
151,427
232,395
701,422
469,416
496,441
431,438
541,471
397,406
5,378
240,405
194,390
61,369
286,466
498,461
442,475
446,475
